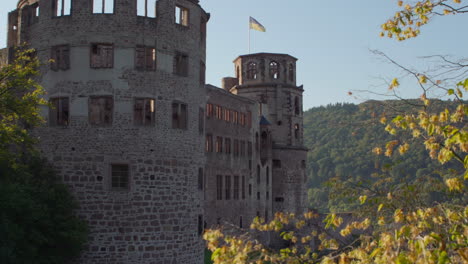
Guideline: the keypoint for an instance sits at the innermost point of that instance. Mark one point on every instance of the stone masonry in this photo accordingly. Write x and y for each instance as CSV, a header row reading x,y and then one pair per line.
x,y
151,153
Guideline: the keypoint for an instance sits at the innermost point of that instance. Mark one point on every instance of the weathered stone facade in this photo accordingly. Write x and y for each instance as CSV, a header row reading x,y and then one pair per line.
x,y
142,142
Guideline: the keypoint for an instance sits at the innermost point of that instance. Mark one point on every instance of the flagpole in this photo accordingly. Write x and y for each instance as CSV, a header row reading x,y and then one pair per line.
x,y
249,36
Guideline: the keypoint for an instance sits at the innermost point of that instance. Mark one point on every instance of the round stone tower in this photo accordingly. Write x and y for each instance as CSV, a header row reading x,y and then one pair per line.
x,y
271,80
125,128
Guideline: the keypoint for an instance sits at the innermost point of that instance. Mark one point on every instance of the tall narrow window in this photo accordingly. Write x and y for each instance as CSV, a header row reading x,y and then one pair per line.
x,y
249,119
256,142
227,186
201,121
242,148
252,71
291,72
146,8
236,187
61,7
296,131
209,143
202,73
103,6
200,225
219,112
243,187
226,115
242,119
250,190
143,114
59,111
219,187
236,148
203,29
219,144
235,119
297,106
249,149
145,58
181,62
101,110
227,145
60,58
267,175
182,16
209,110
102,56
179,115
119,176
274,70
200,179
258,174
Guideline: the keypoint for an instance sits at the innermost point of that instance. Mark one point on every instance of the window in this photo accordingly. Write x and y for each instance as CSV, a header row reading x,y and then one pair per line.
x,y
227,185
249,148
296,131
209,110
203,29
209,143
235,119
267,175
250,189
182,16
200,225
146,8
303,164
252,71
242,119
145,58
274,70
61,58
249,119
226,115
202,73
181,64
61,7
256,142
291,72
240,222
219,145
59,111
219,112
276,164
242,148
103,6
219,187
102,56
267,195
200,179
236,188
144,110
243,187
258,195
279,199
201,121
101,110
236,147
258,174
119,176
179,115
297,106
227,145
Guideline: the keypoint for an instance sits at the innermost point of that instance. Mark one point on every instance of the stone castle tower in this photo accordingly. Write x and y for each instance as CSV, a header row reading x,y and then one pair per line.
x,y
152,154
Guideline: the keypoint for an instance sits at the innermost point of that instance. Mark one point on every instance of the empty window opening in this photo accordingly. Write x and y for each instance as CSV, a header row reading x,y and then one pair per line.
x,y
297,106
267,175
252,71
303,164
267,195
145,58
36,10
61,8
236,148
264,143
276,164
182,16
203,23
200,225
235,118
243,187
227,145
209,110
119,176
242,119
200,179
219,112
242,148
227,186
258,195
258,174
256,142
296,131
146,8
236,187
274,70
279,199
219,187
59,111
179,115
291,72
250,190
103,6
102,56
101,110
240,222
144,110
266,215
227,116
219,145
209,143
181,64
202,73
60,58
249,149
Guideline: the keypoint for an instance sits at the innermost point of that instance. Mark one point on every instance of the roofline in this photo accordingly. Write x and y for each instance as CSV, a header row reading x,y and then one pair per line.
x,y
221,90
264,53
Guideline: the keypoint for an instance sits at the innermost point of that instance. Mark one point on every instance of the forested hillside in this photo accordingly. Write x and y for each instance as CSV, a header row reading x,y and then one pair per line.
x,y
341,138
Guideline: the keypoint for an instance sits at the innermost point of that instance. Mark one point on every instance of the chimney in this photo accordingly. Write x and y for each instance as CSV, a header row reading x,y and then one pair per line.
x,y
229,82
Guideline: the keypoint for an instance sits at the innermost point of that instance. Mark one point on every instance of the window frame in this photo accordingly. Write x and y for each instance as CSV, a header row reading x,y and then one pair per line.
x,y
103,124
182,117
183,20
181,69
111,177
145,65
153,114
61,62
274,70
101,65
51,111
252,71
103,9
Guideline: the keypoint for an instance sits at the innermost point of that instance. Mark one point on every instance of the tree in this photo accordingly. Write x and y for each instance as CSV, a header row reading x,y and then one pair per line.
x,y
395,227
37,219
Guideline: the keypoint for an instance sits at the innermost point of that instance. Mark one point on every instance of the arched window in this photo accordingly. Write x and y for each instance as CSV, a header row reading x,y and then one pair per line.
x,y
291,72
264,139
297,106
252,71
296,131
274,70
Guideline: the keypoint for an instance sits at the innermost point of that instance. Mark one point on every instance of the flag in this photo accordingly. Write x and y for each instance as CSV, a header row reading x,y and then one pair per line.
x,y
254,24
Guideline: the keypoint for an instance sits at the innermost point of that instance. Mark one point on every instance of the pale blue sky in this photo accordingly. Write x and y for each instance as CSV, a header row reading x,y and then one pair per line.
x,y
330,38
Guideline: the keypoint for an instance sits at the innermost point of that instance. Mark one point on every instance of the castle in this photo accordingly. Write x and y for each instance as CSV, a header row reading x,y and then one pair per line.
x,y
152,154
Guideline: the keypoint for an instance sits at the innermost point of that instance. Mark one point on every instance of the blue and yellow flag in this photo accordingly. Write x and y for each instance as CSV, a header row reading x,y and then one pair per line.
x,y
254,24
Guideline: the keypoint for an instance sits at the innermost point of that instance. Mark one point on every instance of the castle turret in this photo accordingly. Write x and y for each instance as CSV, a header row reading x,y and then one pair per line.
x,y
271,80
123,83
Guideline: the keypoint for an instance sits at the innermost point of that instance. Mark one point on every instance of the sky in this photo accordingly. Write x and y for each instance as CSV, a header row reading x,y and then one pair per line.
x,y
332,39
